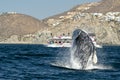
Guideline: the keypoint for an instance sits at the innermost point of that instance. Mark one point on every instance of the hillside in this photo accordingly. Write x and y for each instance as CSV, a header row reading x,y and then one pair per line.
x,y
105,6
101,18
19,24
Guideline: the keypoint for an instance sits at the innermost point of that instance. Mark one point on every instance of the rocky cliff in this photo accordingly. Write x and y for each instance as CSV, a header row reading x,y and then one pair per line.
x,y
101,18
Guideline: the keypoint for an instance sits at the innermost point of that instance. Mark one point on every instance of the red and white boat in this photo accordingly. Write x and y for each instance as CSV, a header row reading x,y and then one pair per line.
x,y
66,41
63,41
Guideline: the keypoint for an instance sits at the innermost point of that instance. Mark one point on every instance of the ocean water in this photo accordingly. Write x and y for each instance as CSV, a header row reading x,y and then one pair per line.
x,y
37,62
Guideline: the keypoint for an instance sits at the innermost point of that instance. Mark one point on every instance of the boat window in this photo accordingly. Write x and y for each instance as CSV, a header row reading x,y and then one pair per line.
x,y
51,42
59,41
55,41
68,41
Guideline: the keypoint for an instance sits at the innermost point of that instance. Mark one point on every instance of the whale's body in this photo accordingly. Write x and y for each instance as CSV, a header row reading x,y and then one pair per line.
x,y
83,47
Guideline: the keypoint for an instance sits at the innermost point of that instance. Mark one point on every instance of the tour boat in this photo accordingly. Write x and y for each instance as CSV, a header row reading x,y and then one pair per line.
x,y
66,41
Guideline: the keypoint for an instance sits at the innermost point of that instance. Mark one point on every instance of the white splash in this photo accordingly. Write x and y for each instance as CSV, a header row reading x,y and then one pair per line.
x,y
71,62
75,63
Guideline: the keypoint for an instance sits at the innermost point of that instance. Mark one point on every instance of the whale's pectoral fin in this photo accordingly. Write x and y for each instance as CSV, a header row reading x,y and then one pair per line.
x,y
95,58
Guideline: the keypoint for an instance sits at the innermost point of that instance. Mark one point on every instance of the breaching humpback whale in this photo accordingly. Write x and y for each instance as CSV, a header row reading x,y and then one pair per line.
x,y
84,49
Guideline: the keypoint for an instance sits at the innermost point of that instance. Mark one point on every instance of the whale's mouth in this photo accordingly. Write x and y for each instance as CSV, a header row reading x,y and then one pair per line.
x,y
83,47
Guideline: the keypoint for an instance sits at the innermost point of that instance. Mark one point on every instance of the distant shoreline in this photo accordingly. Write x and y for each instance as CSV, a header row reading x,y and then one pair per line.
x,y
46,44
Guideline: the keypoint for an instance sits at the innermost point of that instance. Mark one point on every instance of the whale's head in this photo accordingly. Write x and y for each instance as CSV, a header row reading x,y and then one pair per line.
x,y
79,36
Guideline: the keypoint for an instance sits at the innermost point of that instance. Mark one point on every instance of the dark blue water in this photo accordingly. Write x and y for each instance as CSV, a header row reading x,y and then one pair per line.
x,y
34,62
